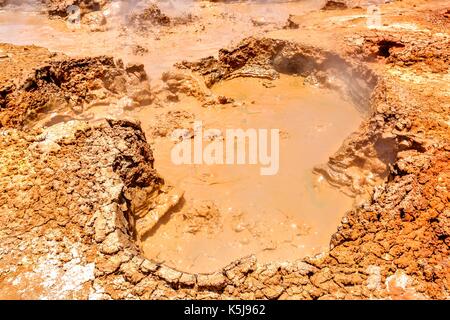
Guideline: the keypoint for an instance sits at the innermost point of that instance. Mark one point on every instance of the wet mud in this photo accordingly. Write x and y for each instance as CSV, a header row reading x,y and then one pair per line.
x,y
92,207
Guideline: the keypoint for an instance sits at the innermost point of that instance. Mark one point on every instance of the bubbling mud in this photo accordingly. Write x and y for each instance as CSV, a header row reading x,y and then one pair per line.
x,y
230,211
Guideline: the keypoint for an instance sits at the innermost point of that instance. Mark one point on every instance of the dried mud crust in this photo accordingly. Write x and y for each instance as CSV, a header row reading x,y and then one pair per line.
x,y
37,81
59,7
73,196
405,49
63,204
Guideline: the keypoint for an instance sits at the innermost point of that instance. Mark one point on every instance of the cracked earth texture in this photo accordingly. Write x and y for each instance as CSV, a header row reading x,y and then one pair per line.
x,y
71,192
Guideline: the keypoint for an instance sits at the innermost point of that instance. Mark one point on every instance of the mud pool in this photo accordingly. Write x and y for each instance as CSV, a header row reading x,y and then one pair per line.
x,y
92,207
231,211
228,212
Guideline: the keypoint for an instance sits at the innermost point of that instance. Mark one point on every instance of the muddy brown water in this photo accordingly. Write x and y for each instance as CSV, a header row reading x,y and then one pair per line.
x,y
229,211
278,218
204,36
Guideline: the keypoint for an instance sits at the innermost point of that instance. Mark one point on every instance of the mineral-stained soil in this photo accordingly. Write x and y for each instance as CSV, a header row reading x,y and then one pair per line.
x,y
77,194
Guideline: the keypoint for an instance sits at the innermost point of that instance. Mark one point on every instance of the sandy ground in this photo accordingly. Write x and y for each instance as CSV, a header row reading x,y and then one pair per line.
x,y
94,208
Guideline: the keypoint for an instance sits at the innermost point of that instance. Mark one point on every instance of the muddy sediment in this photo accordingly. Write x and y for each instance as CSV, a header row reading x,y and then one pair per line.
x,y
78,195
267,58
233,209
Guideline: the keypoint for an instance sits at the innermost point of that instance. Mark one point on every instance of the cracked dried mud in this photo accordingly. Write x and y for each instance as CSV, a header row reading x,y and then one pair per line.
x,y
93,207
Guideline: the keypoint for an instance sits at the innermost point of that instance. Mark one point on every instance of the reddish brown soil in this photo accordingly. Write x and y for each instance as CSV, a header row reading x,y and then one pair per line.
x,y
51,82
72,193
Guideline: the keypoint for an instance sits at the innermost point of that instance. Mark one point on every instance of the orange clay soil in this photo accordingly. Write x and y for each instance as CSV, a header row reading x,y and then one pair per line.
x,y
89,198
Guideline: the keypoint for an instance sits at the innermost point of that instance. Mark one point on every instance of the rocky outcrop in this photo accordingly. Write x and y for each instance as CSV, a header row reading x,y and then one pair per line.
x,y
52,82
